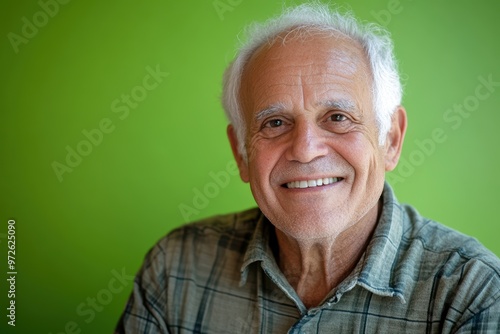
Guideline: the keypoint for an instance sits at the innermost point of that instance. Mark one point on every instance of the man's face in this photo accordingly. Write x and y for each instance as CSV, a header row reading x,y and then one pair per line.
x,y
314,163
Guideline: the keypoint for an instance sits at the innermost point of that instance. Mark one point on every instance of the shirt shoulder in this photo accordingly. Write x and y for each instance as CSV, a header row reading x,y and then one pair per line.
x,y
232,223
238,226
191,265
458,270
439,239
202,243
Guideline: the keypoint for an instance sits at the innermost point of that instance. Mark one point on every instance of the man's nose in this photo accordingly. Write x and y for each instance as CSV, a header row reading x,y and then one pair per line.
x,y
307,142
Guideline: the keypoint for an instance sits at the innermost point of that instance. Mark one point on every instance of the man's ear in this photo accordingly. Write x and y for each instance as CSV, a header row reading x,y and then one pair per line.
x,y
242,165
395,138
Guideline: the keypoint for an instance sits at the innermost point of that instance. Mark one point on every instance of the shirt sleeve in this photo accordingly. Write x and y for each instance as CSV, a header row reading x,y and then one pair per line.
x,y
145,308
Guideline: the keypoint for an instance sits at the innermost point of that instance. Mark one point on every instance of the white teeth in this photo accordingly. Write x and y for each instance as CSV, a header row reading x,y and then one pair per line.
x,y
312,183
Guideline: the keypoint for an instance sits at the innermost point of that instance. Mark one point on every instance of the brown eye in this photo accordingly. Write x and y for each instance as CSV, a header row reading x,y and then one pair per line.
x,y
275,127
338,117
275,123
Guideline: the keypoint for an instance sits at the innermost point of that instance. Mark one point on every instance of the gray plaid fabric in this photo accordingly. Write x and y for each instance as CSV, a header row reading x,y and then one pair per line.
x,y
219,275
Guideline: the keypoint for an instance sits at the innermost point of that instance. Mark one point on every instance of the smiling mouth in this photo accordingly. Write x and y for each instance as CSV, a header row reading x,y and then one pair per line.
x,y
312,183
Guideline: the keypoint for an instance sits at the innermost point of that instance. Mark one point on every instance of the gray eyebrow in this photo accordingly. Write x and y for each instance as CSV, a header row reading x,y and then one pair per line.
x,y
273,108
344,105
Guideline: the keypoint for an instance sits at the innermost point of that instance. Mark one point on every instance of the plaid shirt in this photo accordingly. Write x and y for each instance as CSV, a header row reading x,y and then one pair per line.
x,y
220,276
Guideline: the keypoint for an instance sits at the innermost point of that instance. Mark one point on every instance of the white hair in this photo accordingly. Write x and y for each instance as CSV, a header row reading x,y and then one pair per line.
x,y
375,40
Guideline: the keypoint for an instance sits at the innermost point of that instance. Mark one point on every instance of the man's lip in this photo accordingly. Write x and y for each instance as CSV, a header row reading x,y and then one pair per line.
x,y
311,182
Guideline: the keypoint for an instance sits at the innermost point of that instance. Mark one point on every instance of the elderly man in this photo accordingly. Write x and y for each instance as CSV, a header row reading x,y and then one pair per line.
x,y
313,99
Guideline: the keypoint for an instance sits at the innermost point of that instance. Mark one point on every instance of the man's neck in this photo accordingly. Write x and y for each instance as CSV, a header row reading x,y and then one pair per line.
x,y
315,267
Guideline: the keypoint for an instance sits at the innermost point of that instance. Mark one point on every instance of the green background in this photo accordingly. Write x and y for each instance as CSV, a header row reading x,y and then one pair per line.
x,y
73,236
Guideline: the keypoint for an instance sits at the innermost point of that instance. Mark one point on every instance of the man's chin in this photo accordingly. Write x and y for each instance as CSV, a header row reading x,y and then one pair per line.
x,y
312,225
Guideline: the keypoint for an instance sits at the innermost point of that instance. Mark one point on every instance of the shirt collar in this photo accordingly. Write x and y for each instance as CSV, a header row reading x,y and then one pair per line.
x,y
374,272
259,248
378,273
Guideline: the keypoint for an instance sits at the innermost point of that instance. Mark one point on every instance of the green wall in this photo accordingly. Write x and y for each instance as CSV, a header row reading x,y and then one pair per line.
x,y
133,89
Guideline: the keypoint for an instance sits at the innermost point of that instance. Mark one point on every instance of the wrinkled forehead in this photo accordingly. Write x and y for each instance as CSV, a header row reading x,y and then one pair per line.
x,y
309,45
319,60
